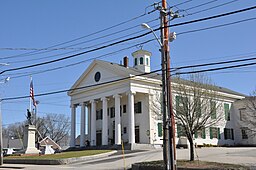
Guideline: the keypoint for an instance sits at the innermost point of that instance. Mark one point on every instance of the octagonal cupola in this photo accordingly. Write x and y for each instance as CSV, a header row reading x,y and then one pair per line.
x,y
142,60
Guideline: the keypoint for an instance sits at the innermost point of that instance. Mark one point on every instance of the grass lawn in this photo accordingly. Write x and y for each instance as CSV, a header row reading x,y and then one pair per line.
x,y
63,155
199,164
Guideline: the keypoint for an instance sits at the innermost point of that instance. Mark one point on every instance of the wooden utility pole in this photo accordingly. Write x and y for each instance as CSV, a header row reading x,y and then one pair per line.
x,y
170,122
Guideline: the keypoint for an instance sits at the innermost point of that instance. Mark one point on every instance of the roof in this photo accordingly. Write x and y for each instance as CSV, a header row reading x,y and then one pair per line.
x,y
126,71
134,71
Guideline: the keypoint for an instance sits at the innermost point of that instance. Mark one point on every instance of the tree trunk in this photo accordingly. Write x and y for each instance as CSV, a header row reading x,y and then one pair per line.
x,y
191,144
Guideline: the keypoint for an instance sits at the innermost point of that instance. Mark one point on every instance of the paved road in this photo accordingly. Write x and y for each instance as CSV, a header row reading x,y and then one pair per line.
x,y
246,156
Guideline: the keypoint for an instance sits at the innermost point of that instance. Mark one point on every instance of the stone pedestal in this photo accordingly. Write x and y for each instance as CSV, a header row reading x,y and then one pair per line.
x,y
29,140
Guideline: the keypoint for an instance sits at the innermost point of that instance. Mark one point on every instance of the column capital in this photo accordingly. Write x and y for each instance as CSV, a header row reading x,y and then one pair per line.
x,y
103,98
117,96
131,92
92,101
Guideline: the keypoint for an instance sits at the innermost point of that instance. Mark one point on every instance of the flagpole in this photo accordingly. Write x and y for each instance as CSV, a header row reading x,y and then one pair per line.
x,y
30,99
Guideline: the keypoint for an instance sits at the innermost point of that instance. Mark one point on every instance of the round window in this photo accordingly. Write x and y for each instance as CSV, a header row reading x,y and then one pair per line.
x,y
97,76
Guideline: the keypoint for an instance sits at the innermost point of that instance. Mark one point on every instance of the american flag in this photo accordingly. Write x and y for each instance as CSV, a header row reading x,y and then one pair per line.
x,y
32,93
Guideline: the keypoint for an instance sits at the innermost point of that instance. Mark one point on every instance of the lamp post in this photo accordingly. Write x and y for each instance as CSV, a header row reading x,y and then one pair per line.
x,y
1,134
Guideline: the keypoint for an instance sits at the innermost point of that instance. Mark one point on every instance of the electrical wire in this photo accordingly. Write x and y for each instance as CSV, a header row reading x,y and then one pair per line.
x,y
128,39
223,4
77,63
82,37
216,26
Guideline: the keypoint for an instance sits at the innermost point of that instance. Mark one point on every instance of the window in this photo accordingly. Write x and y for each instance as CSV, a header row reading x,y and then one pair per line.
x,y
135,62
242,113
180,130
213,110
137,107
214,132
244,133
228,133
124,108
198,107
141,60
112,112
125,130
147,63
227,112
99,114
200,133
160,129
181,105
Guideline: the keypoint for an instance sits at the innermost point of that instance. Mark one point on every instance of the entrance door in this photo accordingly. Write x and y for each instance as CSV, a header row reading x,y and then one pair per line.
x,y
98,139
113,141
137,134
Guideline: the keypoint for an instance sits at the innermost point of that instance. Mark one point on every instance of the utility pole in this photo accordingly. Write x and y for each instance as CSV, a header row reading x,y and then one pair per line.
x,y
169,124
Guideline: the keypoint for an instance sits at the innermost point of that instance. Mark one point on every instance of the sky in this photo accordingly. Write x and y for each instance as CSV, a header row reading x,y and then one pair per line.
x,y
33,32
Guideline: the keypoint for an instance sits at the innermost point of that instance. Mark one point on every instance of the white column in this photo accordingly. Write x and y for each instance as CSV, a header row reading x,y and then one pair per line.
x,y
93,123
73,126
82,130
104,121
89,122
131,117
117,120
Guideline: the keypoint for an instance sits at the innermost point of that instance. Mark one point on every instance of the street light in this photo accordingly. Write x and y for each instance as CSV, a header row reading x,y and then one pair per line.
x,y
166,97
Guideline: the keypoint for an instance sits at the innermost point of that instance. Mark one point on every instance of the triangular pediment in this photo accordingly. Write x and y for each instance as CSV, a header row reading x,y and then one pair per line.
x,y
99,72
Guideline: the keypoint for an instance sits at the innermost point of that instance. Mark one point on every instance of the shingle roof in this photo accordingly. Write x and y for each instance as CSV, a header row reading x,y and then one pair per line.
x,y
134,71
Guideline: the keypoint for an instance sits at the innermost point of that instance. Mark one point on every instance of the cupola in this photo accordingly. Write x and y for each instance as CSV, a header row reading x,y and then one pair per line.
x,y
142,60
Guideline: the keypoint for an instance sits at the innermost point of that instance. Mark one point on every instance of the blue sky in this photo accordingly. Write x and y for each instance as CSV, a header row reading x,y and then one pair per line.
x,y
40,24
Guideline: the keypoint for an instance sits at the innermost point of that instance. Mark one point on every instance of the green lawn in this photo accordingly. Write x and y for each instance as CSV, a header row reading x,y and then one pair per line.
x,y
199,165
62,155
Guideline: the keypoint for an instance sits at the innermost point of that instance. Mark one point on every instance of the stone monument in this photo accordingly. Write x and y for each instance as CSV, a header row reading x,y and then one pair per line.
x,y
30,137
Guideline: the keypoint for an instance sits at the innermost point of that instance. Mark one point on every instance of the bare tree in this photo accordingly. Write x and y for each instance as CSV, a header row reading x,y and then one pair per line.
x,y
195,107
249,118
56,126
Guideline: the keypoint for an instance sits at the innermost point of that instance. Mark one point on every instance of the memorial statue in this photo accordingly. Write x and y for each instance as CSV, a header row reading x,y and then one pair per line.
x,y
29,117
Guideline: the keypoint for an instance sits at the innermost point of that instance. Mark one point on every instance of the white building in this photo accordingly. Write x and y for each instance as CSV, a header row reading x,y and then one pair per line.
x,y
119,105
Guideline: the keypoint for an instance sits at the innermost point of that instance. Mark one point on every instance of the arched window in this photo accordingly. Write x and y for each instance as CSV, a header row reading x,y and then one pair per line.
x,y
141,60
135,61
147,61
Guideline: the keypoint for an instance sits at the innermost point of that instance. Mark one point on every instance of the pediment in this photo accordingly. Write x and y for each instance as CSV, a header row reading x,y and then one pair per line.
x,y
99,72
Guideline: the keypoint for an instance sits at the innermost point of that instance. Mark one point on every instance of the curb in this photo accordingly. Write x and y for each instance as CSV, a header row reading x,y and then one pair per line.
x,y
58,161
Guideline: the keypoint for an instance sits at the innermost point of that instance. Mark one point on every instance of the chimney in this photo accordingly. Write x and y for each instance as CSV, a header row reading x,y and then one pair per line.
x,y
126,61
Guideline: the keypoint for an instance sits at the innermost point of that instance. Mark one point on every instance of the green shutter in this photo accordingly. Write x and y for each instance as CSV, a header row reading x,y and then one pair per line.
x,y
160,129
203,133
226,109
196,135
218,133
211,136
178,130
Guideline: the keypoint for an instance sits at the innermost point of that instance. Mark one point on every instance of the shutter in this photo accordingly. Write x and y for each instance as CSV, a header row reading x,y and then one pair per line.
x,y
225,133
232,134
203,133
196,134
218,133
226,109
178,130
160,129
211,133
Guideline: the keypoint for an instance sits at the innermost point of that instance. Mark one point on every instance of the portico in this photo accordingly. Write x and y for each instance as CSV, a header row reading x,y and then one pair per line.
x,y
100,114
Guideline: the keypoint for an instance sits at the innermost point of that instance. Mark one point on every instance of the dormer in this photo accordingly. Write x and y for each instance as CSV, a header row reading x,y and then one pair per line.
x,y
142,60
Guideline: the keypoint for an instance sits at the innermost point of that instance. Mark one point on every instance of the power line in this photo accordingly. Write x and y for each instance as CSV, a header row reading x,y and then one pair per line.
x,y
80,62
82,37
223,4
206,3
191,31
215,69
216,26
79,88
128,39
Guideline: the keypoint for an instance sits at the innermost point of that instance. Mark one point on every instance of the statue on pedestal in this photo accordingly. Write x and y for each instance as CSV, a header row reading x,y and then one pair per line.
x,y
29,117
